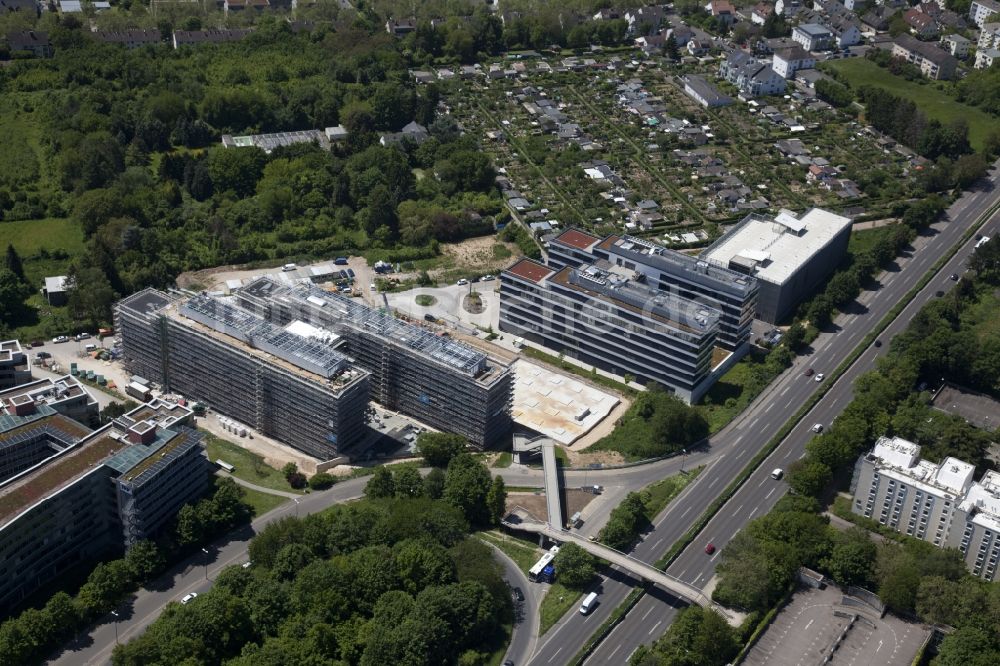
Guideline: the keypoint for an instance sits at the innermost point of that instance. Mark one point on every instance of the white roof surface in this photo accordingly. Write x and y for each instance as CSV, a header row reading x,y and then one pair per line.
x,y
985,496
788,248
901,460
55,284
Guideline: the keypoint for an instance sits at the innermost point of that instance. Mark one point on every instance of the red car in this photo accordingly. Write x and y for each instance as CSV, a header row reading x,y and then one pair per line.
x,y
809,372
710,548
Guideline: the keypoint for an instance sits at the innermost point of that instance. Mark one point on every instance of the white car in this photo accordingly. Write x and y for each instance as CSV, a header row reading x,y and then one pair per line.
x,y
487,278
818,427
777,473
819,377
188,598
60,338
462,282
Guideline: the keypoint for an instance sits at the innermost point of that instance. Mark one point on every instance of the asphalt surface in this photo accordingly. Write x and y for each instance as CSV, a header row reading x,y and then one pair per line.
x,y
526,616
760,423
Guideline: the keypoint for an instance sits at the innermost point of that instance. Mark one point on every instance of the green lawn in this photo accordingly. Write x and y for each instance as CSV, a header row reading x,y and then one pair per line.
x,y
864,240
249,466
524,555
933,102
503,460
716,406
53,233
262,502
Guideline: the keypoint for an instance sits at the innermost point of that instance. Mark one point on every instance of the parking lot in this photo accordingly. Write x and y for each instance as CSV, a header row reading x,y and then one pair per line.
x,y
816,624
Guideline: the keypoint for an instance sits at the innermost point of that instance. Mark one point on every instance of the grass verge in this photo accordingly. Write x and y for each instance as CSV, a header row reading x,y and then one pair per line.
x,y
769,448
660,493
249,466
262,502
523,554
504,460
557,602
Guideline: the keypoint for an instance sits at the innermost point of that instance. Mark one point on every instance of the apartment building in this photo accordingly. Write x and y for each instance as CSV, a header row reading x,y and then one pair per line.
x,y
936,502
788,61
989,36
286,385
933,62
983,11
751,77
813,37
733,294
609,317
14,368
69,495
438,381
65,395
788,255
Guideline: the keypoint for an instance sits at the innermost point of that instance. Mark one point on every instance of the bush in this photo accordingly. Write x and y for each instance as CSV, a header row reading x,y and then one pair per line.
x,y
321,481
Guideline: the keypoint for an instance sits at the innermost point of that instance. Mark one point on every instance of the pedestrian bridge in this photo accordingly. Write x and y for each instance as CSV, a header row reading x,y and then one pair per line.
x,y
635,567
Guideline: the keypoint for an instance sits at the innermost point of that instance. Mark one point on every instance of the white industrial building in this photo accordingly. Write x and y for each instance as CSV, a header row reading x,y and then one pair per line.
x,y
790,256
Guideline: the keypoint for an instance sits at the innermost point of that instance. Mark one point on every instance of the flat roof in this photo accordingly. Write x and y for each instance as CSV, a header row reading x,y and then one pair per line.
x,y
555,404
46,391
530,270
576,238
48,476
787,247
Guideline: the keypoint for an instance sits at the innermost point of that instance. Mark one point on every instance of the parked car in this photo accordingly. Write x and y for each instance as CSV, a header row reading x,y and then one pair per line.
x,y
462,282
487,278
820,377
38,343
43,354
188,598
431,318
82,336
518,594
60,338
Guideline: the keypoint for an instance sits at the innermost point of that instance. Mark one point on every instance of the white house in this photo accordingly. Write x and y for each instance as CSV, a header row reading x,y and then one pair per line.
x,y
986,58
981,11
813,37
788,61
845,30
956,45
989,36
752,77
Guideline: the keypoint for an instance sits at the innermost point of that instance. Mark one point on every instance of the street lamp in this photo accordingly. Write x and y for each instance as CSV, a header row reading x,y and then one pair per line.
x,y
115,613
296,507
684,453
205,550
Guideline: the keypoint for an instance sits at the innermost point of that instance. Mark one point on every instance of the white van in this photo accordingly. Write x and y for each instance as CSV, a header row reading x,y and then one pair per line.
x,y
588,603
91,347
289,267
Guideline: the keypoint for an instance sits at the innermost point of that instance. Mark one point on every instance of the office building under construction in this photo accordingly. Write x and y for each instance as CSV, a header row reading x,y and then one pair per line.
x,y
295,388
438,381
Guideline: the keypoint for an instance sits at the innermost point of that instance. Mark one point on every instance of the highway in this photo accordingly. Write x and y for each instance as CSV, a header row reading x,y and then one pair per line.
x,y
761,492
737,443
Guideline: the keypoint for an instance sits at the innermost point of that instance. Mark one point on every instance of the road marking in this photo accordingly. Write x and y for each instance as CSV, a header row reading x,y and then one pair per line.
x,y
740,454
769,408
809,624
618,647
769,493
553,657
654,627
738,509
657,544
651,609
754,511
782,394
713,482
686,511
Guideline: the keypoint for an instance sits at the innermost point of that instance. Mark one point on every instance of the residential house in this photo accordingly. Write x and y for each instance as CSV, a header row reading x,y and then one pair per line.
x,y
813,37
55,290
400,27
696,47
336,133
788,61
986,57
722,11
704,92
413,131
26,6
877,20
761,12
236,6
421,76
645,20
956,45
933,62
989,36
845,29
982,11
195,37
607,15
753,77
855,5
922,25
818,174
30,41
130,39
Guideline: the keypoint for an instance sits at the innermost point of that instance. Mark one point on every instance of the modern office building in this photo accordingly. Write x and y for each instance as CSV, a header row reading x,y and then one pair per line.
x,y
608,316
734,294
75,495
789,256
939,503
293,387
65,395
438,381
14,368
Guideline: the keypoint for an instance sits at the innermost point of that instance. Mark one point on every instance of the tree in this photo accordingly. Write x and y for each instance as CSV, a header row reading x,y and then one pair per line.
x,y
236,170
496,500
626,521
438,448
985,261
13,263
144,560
12,295
408,482
90,295
574,566
434,483
968,646
381,484
852,557
466,486
808,477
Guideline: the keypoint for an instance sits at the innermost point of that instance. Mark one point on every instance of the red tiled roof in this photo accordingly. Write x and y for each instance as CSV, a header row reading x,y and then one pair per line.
x,y
530,270
577,239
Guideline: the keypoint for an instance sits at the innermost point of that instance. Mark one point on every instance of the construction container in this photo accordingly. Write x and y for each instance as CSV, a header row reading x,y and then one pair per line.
x,y
73,370
101,380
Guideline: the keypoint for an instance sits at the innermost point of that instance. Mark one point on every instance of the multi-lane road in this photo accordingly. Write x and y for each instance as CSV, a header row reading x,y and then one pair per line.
x,y
726,454
735,445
